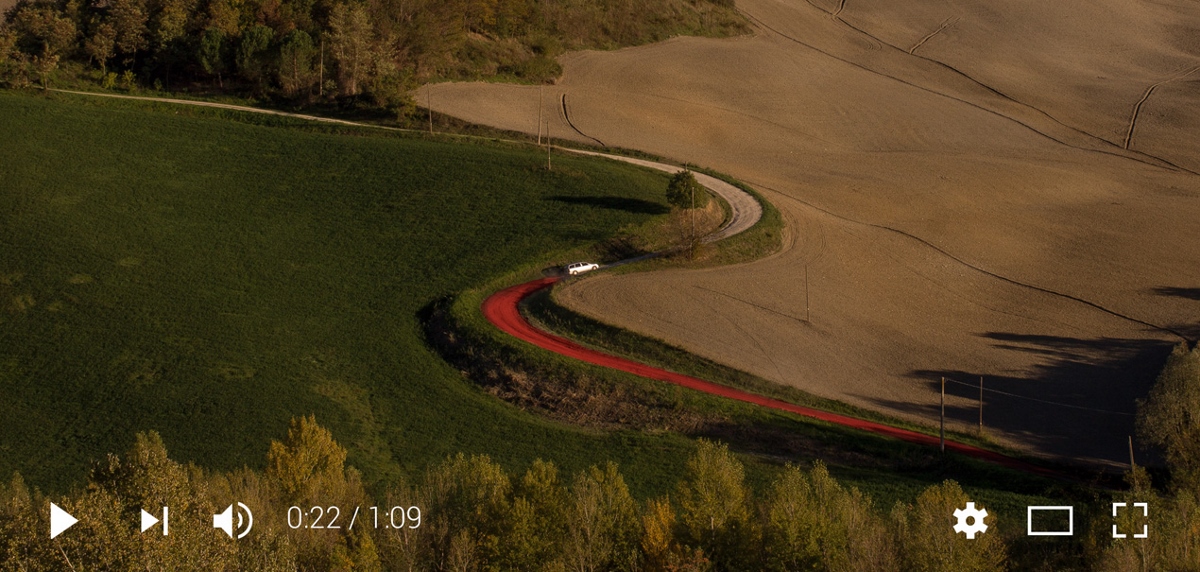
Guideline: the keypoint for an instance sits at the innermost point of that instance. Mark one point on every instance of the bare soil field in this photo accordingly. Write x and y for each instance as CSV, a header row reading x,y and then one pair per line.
x,y
971,190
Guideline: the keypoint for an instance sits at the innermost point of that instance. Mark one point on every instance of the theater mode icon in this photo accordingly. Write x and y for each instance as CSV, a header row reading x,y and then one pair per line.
x,y
1029,527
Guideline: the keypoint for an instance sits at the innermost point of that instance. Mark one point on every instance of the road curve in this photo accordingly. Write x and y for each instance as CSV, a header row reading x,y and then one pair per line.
x,y
502,310
745,210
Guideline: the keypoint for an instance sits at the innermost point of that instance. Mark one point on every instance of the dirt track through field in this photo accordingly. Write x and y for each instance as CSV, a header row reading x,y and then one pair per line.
x,y
1000,228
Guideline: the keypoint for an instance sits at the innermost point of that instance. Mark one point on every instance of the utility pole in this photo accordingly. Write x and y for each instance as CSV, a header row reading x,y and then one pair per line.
x,y
321,78
540,91
807,313
981,405
693,187
429,106
942,435
548,167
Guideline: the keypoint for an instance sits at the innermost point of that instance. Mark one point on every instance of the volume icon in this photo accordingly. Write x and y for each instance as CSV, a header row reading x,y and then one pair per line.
x,y
224,521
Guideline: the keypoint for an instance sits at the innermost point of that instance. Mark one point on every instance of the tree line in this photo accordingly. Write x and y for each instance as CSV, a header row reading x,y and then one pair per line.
x,y
305,51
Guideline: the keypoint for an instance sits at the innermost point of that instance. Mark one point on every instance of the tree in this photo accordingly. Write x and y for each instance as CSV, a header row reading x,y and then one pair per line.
x,y
928,543
128,18
685,192
12,61
296,55
538,522
1170,416
167,30
815,524
714,511
252,52
211,53
602,522
350,37
43,31
467,511
101,46
308,463
661,551
45,34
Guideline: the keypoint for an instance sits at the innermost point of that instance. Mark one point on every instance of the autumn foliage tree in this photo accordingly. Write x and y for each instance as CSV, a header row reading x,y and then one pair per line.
x,y
373,51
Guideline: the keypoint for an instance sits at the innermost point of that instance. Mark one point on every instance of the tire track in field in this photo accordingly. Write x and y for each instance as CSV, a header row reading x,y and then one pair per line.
x,y
1132,155
945,24
567,116
986,272
1137,108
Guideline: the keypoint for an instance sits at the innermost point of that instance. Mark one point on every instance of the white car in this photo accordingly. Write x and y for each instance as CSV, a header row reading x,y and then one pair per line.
x,y
581,267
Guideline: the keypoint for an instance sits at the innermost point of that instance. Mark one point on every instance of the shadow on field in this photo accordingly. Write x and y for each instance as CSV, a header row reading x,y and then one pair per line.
x,y
1176,292
629,205
1077,400
1190,331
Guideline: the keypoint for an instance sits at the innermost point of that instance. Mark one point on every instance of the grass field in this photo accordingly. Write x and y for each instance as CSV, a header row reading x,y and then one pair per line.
x,y
210,279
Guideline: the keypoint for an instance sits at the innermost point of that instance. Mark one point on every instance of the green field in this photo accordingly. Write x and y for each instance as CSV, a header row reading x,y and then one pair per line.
x,y
210,279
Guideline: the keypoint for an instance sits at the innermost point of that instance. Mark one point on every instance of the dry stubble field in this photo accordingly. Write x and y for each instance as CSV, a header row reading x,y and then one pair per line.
x,y
964,187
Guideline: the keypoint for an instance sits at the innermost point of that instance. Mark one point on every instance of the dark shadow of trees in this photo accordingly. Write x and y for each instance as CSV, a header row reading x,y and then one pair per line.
x,y
1077,400
629,205
1176,292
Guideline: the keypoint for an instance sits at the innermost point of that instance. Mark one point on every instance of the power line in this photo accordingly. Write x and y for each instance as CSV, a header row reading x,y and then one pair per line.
x,y
1041,401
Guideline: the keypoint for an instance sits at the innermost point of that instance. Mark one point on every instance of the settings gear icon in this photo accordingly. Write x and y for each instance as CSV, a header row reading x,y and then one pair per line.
x,y
975,516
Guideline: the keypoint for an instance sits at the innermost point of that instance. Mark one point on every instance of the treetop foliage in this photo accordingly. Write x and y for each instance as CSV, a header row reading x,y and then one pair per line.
x,y
304,51
683,191
1170,416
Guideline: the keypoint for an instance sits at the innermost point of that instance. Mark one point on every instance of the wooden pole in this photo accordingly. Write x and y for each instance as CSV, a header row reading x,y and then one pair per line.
x,y
807,313
429,106
548,167
942,434
321,78
1131,465
981,405
540,90
693,187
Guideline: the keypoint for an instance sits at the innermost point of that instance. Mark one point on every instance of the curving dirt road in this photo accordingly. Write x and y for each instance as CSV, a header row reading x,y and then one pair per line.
x,y
744,209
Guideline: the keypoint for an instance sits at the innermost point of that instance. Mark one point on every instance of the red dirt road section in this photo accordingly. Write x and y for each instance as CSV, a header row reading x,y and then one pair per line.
x,y
501,309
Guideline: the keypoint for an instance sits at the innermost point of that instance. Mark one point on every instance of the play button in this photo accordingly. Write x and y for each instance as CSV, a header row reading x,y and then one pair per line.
x,y
60,520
